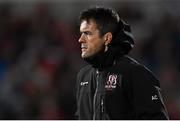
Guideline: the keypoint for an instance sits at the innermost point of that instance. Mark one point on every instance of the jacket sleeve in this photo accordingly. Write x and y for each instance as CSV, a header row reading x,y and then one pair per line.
x,y
147,99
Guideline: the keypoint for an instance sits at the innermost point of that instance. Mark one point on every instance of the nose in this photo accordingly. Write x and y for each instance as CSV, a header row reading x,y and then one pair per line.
x,y
81,39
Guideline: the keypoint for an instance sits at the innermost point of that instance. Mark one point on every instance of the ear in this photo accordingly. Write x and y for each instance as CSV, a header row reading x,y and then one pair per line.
x,y
108,38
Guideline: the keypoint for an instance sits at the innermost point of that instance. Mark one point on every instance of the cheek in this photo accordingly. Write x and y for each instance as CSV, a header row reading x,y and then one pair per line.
x,y
96,46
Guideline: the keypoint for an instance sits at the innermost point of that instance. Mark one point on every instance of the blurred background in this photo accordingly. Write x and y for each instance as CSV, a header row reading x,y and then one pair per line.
x,y
40,54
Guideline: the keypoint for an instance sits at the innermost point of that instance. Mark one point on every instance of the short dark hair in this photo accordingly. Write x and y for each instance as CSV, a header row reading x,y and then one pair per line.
x,y
106,18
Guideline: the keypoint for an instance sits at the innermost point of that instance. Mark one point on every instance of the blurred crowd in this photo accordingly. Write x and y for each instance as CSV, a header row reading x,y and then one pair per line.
x,y
40,57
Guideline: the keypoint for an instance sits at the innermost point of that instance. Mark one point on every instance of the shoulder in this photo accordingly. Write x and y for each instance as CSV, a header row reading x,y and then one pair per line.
x,y
131,64
140,73
140,69
128,64
134,68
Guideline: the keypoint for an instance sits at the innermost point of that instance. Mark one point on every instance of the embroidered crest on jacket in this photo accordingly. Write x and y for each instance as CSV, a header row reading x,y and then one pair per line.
x,y
111,82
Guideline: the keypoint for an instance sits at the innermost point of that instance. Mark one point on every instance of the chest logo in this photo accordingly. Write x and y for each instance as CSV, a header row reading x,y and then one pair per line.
x,y
111,82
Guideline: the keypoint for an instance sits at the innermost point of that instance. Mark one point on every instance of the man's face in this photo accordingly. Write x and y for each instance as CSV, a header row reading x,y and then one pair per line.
x,y
90,40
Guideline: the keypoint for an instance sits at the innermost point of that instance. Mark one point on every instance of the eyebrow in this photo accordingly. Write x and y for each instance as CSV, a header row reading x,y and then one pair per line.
x,y
85,31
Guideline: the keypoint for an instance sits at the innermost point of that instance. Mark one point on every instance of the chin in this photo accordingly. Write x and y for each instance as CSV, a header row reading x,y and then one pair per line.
x,y
84,56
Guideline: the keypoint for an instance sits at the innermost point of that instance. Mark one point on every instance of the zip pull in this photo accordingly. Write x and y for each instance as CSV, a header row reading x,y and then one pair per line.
x,y
103,115
102,105
97,72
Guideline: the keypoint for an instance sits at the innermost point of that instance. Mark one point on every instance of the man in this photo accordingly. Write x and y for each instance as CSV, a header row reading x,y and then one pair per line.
x,y
113,85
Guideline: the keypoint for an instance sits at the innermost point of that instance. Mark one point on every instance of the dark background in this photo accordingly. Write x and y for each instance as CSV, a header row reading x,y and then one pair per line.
x,y
40,54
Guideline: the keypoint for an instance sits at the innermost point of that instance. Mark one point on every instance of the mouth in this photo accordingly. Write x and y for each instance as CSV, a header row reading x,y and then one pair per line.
x,y
83,48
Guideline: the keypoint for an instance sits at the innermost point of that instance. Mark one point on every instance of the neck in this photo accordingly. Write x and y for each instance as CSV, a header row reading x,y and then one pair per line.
x,y
103,59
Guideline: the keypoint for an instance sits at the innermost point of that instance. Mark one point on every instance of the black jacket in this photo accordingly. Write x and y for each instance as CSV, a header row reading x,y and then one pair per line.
x,y
126,90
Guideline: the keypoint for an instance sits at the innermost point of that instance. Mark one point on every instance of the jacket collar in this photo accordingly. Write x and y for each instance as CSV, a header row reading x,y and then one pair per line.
x,y
104,59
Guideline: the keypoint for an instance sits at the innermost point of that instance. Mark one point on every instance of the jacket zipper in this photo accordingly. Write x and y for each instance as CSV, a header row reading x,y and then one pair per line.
x,y
95,96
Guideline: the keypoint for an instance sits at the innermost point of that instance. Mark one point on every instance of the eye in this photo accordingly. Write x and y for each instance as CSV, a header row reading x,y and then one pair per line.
x,y
87,33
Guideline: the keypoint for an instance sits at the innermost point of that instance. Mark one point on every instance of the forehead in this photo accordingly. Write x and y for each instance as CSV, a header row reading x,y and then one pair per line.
x,y
88,25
